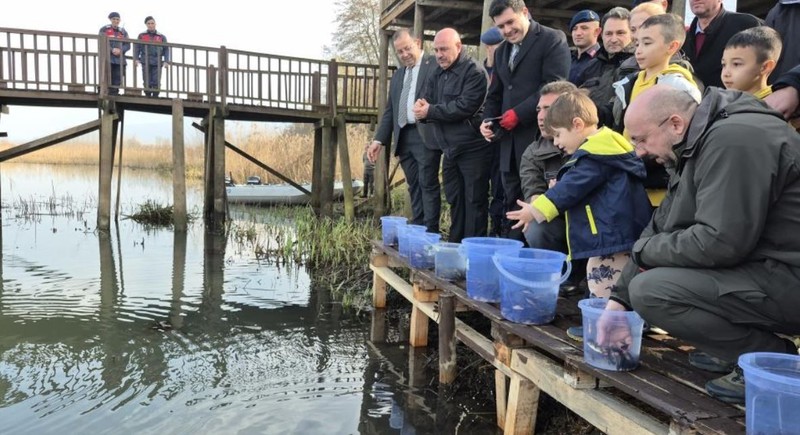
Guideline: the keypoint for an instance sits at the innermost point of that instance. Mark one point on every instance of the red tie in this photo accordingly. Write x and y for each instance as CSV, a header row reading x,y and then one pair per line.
x,y
699,39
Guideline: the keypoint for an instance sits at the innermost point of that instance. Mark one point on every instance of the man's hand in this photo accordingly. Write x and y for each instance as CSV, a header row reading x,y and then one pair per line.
x,y
373,150
486,130
613,329
509,120
116,51
784,100
421,109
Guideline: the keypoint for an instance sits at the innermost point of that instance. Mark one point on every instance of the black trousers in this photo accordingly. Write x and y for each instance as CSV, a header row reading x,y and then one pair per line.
x,y
497,206
117,74
151,74
512,187
421,168
466,187
725,312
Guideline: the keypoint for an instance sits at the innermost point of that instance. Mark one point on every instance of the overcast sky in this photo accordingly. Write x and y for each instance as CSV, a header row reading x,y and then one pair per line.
x,y
294,28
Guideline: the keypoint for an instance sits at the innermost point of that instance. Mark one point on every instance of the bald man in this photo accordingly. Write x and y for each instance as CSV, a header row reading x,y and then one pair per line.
x,y
719,263
451,105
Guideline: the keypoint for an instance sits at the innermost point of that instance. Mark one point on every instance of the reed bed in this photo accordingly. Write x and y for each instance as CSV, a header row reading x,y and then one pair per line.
x,y
288,151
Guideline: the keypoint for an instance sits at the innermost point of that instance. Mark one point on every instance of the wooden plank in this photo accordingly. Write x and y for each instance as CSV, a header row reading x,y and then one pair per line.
x,y
424,295
523,402
405,289
610,415
53,139
418,336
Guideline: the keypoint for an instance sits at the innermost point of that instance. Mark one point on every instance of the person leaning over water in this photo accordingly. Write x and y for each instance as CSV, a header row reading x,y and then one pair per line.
x,y
152,57
719,263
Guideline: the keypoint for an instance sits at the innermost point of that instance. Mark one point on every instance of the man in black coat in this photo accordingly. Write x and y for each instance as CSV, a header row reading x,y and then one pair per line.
x,y
540,55
707,36
419,156
451,105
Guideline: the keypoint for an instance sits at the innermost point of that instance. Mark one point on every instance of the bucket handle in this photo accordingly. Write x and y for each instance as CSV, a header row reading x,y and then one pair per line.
x,y
518,281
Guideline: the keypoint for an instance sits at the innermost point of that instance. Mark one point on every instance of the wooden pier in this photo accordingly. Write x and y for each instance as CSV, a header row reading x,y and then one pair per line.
x,y
70,70
664,395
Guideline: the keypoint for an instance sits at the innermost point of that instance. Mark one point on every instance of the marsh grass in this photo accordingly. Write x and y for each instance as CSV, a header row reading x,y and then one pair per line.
x,y
288,151
154,214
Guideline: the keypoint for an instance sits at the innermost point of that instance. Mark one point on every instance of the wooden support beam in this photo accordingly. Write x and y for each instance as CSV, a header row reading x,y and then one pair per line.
x,y
501,397
344,164
504,343
218,187
258,163
416,367
447,4
378,284
53,139
523,402
121,115
607,413
316,169
107,120
327,171
377,330
419,327
179,215
447,338
419,21
208,166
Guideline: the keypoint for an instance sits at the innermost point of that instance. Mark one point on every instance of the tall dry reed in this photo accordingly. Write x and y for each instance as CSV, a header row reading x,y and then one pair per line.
x,y
288,152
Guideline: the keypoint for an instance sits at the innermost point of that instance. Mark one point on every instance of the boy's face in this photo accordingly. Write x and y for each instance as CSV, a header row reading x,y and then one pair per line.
x,y
740,69
568,140
651,48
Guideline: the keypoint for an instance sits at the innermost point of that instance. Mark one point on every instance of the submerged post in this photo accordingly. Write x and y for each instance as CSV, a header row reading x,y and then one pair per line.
x,y
106,165
344,158
179,218
218,176
447,338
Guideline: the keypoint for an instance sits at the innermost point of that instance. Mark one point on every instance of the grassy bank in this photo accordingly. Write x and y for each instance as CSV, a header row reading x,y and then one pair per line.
x,y
289,152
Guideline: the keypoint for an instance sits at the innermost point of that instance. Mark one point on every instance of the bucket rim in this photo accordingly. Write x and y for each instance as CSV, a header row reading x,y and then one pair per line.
x,y
491,242
394,218
514,253
536,284
747,363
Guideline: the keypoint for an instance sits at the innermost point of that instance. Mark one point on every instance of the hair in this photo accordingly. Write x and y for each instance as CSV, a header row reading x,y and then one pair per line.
x,y
568,106
764,40
617,13
400,32
672,28
557,87
649,9
498,6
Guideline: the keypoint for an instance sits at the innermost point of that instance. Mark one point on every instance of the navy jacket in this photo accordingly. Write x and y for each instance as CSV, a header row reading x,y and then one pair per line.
x,y
118,33
150,54
601,194
456,96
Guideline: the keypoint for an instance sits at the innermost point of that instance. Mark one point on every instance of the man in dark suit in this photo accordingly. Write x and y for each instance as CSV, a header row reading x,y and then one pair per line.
x,y
540,55
419,155
707,36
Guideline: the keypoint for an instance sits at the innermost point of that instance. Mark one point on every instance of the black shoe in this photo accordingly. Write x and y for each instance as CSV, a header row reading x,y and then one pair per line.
x,y
709,363
729,388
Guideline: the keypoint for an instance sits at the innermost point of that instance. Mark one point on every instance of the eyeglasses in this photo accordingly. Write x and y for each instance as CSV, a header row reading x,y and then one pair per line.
x,y
639,140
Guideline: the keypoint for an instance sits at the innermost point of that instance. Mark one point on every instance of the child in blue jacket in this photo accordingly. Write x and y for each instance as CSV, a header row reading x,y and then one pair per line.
x,y
599,190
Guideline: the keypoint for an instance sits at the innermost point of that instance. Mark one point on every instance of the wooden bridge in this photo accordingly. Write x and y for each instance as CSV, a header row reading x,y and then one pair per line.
x,y
70,70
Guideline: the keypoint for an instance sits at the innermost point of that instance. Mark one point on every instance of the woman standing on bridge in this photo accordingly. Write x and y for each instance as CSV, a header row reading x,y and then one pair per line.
x,y
151,57
117,51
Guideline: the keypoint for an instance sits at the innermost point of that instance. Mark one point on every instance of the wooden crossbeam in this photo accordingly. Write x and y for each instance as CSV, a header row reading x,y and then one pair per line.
x,y
49,140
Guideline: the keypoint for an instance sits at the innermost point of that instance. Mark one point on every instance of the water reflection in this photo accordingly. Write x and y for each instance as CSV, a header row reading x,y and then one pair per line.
x,y
167,332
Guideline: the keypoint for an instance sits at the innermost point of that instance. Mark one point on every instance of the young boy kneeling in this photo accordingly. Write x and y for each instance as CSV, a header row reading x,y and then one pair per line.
x,y
599,190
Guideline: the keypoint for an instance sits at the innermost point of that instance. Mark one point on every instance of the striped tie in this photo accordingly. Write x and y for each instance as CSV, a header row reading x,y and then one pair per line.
x,y
402,107
514,51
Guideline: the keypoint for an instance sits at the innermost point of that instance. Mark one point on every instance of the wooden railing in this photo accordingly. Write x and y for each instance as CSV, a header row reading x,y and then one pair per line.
x,y
33,60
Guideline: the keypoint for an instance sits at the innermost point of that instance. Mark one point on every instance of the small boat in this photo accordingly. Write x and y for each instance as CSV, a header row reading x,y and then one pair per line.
x,y
280,194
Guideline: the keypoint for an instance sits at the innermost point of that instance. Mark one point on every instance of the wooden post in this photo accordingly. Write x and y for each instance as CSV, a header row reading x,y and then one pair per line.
x,y
381,166
106,166
121,118
344,159
678,7
179,217
208,167
178,277
104,72
378,283
501,397
377,330
419,21
523,402
327,170
316,167
447,338
416,367
418,335
219,168
223,79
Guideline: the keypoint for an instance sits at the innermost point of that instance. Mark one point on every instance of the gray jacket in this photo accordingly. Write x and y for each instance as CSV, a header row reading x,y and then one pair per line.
x,y
733,196
540,164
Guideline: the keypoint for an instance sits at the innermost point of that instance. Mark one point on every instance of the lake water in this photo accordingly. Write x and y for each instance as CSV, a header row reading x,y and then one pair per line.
x,y
152,331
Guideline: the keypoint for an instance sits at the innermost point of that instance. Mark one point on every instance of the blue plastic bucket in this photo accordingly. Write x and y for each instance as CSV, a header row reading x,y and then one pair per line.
x,y
618,356
483,283
529,281
421,254
402,237
772,392
389,228
450,264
